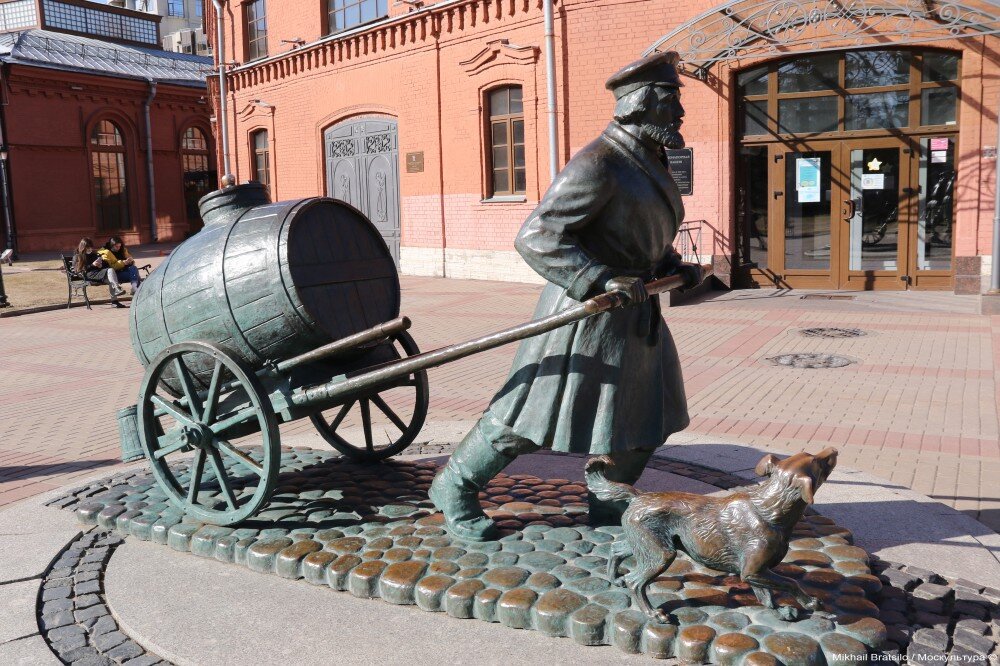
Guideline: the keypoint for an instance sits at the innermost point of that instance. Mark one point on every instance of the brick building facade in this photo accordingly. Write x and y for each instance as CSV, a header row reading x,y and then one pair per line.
x,y
78,79
315,87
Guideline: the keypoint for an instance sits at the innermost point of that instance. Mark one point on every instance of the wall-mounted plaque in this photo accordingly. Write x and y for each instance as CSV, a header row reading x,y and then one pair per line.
x,y
415,162
681,161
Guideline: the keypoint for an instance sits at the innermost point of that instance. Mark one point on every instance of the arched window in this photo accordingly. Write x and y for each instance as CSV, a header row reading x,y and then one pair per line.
x,y
506,114
261,157
107,161
199,173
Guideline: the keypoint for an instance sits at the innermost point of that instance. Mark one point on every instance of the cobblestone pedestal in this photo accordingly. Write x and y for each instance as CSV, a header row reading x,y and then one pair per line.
x,y
371,532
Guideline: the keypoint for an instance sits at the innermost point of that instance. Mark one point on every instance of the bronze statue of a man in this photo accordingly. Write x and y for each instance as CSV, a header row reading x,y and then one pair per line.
x,y
610,384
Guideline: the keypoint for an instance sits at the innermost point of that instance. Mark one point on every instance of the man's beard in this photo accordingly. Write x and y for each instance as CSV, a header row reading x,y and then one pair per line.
x,y
668,138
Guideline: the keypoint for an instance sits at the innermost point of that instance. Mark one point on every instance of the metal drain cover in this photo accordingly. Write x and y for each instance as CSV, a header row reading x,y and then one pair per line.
x,y
814,361
832,332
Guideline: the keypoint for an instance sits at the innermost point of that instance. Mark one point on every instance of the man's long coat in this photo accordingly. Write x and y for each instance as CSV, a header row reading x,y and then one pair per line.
x,y
613,381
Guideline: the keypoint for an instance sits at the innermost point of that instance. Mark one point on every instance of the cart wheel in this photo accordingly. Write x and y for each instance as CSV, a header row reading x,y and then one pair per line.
x,y
389,419
230,403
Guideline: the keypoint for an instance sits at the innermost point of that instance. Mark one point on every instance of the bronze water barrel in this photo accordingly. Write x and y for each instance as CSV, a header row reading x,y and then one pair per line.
x,y
267,280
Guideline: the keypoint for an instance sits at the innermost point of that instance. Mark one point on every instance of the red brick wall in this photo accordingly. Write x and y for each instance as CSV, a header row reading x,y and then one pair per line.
x,y
422,69
48,117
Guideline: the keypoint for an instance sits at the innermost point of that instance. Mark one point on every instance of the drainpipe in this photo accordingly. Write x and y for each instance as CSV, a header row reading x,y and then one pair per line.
x,y
5,189
995,268
149,161
220,55
550,83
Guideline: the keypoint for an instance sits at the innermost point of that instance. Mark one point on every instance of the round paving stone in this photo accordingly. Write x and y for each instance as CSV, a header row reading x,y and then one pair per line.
x,y
314,566
398,554
503,559
693,643
474,572
589,585
346,544
484,606
241,549
626,630
514,608
339,571
261,555
179,535
805,544
540,582
554,608
470,560
758,631
460,598
687,615
506,578
815,626
399,580
867,582
846,553
729,649
586,625
658,640
841,650
363,581
540,561
142,526
823,578
856,606
760,659
613,600
568,572
518,547
793,649
443,567
288,563
729,621
807,557
868,630
225,548
851,567
430,591
563,534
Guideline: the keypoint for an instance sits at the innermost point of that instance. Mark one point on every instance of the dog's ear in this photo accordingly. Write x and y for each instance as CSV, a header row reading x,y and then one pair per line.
x,y
766,465
805,485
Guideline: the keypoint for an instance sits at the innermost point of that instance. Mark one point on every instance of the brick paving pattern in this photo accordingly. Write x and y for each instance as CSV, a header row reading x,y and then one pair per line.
x,y
920,408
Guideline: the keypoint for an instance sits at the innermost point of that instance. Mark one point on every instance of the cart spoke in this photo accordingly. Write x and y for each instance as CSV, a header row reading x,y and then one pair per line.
x,y
240,456
169,448
220,474
385,409
173,410
366,421
184,377
239,417
212,399
339,418
199,467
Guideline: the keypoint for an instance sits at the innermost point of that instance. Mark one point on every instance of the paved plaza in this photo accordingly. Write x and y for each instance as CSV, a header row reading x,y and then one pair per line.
x,y
919,407
914,413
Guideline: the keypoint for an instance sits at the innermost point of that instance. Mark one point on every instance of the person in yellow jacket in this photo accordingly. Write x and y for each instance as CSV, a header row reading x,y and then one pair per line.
x,y
117,257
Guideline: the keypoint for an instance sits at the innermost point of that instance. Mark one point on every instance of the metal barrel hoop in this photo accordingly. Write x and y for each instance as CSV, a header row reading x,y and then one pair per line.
x,y
202,422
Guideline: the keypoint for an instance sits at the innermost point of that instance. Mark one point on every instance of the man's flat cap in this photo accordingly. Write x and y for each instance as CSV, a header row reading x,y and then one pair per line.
x,y
658,68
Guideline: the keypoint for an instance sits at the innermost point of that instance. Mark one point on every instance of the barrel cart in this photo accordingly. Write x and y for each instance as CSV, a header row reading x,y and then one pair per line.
x,y
274,313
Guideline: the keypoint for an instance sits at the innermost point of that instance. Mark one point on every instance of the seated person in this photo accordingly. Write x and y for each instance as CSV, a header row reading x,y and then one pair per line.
x,y
89,264
116,257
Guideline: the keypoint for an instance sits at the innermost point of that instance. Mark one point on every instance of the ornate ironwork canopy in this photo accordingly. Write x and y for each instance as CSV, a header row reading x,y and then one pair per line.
x,y
765,28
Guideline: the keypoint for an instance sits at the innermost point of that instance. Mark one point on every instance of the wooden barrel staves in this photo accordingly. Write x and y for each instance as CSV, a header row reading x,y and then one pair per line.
x,y
267,281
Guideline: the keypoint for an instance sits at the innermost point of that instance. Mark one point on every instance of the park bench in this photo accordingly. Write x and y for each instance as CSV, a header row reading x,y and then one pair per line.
x,y
77,283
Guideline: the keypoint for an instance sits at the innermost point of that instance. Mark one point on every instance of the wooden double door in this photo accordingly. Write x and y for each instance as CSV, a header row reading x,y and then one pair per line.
x,y
853,214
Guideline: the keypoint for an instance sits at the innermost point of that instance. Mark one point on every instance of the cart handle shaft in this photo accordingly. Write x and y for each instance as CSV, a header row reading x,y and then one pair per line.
x,y
386,373
345,345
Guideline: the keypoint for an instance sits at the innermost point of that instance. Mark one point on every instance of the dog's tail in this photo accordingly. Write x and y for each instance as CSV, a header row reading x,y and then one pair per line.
x,y
605,489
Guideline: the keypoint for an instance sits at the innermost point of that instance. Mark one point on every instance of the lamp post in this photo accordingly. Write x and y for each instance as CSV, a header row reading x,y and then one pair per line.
x,y
8,218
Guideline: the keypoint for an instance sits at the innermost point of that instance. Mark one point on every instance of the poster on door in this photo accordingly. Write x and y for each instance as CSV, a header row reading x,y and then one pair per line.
x,y
807,173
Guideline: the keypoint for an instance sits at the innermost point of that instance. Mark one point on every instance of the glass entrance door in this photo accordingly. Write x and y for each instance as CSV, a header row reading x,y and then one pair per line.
x,y
876,214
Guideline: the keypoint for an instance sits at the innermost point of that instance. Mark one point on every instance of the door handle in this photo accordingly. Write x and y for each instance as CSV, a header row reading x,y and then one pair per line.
x,y
848,210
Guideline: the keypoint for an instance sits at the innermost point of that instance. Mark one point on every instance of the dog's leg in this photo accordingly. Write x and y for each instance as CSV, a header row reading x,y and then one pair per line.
x,y
619,551
652,558
765,580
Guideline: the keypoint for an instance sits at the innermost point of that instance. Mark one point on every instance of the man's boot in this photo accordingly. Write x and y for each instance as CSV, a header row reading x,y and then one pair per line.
x,y
627,468
455,490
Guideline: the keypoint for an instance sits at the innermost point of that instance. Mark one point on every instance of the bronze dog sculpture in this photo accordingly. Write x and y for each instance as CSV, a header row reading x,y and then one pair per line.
x,y
744,533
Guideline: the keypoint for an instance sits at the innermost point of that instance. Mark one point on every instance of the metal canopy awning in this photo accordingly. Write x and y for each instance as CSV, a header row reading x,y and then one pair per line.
x,y
749,29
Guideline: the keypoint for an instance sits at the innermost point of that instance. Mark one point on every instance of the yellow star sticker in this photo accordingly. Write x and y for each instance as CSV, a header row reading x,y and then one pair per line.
x,y
874,165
